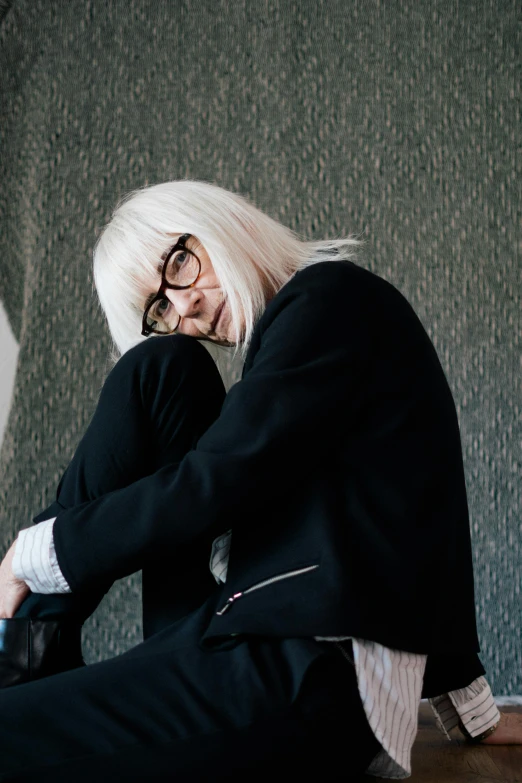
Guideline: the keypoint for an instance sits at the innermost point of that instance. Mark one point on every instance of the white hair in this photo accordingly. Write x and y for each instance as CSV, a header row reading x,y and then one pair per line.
x,y
243,243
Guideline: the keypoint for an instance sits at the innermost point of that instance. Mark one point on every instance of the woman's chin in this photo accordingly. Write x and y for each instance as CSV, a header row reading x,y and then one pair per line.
x,y
225,342
229,336
217,340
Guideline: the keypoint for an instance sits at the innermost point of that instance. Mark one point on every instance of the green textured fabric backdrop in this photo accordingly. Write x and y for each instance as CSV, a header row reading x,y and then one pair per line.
x,y
396,119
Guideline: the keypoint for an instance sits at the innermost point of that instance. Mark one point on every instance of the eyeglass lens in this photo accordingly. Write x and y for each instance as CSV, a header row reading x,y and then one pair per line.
x,y
181,269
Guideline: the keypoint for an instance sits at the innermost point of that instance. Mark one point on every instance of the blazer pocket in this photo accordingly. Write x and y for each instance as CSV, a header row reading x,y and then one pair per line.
x,y
265,583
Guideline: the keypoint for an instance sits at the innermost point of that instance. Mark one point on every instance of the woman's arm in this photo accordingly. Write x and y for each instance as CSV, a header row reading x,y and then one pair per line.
x,y
508,731
303,388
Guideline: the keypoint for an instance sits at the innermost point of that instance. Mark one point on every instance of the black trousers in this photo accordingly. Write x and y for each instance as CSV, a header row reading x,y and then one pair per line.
x,y
170,709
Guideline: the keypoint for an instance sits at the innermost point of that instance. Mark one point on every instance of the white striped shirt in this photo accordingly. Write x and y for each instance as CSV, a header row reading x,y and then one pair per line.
x,y
390,681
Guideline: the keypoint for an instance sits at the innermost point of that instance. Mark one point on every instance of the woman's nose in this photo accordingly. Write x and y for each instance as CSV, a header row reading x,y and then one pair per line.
x,y
186,302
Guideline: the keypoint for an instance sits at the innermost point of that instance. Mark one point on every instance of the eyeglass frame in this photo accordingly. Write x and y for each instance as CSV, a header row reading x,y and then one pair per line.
x,y
165,285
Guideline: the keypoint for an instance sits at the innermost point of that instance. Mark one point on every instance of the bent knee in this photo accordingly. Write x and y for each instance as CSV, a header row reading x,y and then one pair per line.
x,y
169,347
174,358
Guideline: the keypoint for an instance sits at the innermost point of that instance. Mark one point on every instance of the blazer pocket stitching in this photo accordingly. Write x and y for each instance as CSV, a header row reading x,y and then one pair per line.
x,y
266,583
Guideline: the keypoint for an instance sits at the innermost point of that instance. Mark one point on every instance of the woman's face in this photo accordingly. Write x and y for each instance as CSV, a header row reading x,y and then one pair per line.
x,y
205,313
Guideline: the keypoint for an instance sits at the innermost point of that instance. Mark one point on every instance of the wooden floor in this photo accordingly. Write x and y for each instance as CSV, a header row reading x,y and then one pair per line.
x,y
436,760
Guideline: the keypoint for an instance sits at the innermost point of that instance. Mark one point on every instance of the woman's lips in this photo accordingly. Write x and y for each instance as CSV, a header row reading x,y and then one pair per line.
x,y
216,317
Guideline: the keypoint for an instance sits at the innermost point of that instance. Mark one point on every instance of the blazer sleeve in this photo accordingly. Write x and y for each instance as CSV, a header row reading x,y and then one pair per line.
x,y
305,377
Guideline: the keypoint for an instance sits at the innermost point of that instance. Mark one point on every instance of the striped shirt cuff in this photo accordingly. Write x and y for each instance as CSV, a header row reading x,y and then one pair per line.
x,y
35,561
474,705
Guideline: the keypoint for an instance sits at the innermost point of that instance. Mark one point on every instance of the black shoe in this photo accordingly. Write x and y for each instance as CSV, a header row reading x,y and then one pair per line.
x,y
32,649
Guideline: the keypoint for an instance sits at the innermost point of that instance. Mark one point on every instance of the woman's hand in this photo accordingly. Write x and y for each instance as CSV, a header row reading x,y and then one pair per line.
x,y
13,591
508,731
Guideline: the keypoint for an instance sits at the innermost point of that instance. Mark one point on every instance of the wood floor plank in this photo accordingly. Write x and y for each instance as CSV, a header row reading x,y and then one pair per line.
x,y
437,760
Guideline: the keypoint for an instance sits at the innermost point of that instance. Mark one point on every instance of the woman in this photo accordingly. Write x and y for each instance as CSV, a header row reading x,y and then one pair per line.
x,y
325,490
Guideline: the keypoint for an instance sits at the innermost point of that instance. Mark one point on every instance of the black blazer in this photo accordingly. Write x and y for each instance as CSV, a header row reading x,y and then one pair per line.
x,y
337,463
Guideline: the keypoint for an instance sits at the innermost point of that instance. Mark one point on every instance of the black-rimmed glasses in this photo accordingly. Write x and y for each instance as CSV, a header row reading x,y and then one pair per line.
x,y
180,270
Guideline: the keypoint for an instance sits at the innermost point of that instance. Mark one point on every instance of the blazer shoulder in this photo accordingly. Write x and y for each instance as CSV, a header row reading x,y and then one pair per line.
x,y
342,303
342,282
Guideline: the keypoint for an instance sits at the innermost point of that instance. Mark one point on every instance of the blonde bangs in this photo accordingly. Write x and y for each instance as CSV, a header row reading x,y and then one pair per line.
x,y
247,249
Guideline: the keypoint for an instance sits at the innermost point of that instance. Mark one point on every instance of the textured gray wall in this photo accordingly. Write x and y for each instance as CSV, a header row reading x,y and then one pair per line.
x,y
396,119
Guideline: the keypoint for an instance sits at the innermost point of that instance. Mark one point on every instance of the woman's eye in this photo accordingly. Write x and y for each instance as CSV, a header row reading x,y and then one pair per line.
x,y
160,308
163,306
181,269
